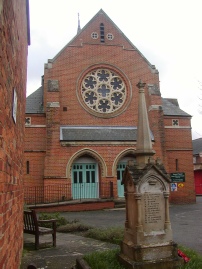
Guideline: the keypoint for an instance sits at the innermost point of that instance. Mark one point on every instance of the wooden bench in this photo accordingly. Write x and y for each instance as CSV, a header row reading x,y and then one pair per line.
x,y
31,226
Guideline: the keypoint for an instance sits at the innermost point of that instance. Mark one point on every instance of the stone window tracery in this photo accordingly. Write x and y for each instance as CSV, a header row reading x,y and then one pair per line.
x,y
103,91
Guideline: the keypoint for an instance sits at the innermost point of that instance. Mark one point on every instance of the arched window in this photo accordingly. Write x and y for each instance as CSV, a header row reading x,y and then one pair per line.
x,y
102,33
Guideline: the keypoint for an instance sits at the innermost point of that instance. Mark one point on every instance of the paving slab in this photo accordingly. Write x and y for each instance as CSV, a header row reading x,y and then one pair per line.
x,y
63,256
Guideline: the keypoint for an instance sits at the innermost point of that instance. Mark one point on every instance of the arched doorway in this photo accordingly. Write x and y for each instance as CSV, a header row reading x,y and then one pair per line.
x,y
85,176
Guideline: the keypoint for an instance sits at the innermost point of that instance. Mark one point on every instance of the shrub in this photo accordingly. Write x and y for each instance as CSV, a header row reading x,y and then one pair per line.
x,y
73,227
103,260
59,219
113,235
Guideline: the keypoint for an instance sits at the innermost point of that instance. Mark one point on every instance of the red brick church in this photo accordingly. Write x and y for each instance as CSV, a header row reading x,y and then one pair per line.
x,y
81,124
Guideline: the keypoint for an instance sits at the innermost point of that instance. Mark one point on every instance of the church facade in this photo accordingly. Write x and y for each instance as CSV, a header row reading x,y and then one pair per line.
x,y
81,124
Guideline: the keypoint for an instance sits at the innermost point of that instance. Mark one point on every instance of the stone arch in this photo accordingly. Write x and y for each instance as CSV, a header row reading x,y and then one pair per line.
x,y
129,151
91,153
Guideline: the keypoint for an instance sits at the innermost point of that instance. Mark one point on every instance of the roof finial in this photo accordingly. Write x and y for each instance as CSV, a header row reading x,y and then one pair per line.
x,y
79,27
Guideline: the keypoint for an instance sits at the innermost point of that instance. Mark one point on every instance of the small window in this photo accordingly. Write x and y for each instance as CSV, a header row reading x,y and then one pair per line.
x,y
102,33
175,122
110,36
27,167
93,176
94,35
80,177
176,165
75,177
87,176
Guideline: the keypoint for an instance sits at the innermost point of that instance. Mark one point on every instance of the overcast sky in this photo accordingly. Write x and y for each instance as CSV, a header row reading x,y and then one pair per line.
x,y
167,33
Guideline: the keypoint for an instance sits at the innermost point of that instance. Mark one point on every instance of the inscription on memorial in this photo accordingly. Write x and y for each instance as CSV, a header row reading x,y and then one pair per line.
x,y
152,208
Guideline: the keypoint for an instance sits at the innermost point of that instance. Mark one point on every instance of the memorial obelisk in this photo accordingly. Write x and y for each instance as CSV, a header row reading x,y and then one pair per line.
x,y
148,241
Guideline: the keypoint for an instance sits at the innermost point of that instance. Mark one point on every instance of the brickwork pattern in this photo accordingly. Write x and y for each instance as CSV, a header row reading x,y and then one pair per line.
x,y
13,64
77,207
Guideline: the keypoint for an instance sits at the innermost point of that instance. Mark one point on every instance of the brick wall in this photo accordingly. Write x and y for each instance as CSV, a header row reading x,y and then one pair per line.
x,y
83,206
178,143
13,64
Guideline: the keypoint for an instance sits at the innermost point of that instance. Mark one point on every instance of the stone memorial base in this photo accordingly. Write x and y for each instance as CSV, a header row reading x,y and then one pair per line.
x,y
154,257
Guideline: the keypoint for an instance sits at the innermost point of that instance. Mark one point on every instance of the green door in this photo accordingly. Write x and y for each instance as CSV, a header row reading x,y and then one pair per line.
x,y
84,181
120,170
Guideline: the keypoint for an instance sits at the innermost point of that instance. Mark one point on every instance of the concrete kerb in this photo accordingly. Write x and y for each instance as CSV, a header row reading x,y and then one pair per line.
x,y
81,264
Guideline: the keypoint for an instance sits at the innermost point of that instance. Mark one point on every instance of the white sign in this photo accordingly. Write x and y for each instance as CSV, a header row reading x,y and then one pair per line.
x,y
173,186
15,101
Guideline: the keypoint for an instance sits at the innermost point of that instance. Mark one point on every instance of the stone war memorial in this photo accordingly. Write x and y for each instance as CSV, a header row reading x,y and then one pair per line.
x,y
148,242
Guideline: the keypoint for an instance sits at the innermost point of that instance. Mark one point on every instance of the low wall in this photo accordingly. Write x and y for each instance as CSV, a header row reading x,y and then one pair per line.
x,y
78,206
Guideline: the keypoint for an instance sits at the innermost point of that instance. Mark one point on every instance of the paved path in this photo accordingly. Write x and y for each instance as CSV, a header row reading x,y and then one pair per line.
x,y
69,247
186,223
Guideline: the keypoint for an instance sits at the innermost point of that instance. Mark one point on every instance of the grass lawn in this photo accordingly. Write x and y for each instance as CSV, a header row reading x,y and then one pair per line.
x,y
108,259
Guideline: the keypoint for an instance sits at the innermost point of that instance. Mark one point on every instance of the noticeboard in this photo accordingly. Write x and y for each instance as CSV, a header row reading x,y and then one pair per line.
x,y
177,177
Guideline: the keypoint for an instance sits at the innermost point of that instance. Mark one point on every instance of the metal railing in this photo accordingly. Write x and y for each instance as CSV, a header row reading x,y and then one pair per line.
x,y
66,192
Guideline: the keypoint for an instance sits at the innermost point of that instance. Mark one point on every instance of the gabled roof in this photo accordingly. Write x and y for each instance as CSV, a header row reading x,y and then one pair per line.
x,y
86,26
171,108
136,172
34,102
197,146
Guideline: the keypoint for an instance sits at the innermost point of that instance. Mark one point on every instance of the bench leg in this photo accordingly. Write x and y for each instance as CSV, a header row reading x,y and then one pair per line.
x,y
36,241
54,238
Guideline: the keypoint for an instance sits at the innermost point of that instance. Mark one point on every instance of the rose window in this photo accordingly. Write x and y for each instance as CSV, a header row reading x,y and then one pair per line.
x,y
103,91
